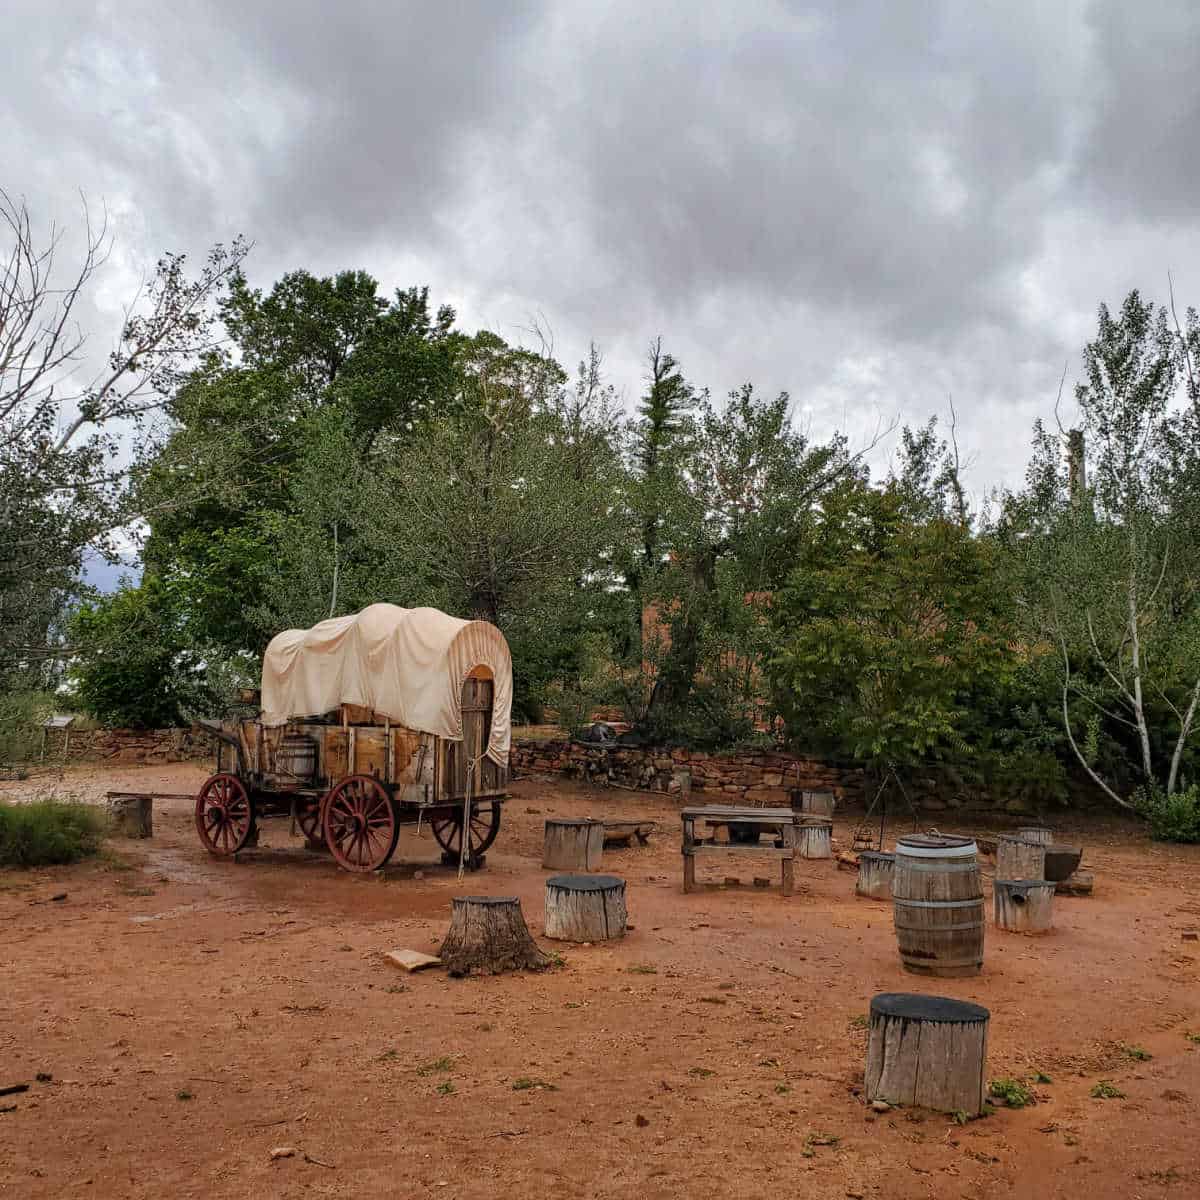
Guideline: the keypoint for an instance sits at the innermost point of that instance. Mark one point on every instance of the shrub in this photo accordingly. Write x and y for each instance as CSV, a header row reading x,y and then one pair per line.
x,y
44,832
1174,818
21,717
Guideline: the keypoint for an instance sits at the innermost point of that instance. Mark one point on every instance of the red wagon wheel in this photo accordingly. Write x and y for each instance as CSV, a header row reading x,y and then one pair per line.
x,y
224,814
485,825
359,823
309,820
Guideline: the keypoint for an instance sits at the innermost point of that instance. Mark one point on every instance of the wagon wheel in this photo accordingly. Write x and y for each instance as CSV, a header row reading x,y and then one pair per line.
x,y
485,824
309,820
358,819
224,814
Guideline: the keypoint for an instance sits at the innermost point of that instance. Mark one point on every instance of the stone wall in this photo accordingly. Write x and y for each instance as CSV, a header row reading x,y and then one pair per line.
x,y
128,745
757,777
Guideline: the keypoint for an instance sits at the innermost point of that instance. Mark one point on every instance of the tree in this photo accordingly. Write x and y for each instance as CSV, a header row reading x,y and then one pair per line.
x,y
61,488
1110,578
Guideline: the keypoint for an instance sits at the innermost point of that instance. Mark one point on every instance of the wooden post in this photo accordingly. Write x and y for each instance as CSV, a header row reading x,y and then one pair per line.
x,y
585,908
1038,834
815,837
875,875
1019,859
1023,905
488,935
928,1051
132,815
573,845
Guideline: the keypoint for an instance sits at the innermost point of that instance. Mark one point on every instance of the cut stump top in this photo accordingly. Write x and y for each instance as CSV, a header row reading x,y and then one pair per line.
x,y
877,856
485,900
913,1007
585,883
574,821
932,841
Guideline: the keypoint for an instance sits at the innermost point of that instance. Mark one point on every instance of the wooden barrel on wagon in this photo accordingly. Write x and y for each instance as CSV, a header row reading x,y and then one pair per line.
x,y
937,901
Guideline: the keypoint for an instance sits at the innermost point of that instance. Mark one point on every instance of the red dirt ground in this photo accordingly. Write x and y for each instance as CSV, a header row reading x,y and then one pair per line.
x,y
713,1052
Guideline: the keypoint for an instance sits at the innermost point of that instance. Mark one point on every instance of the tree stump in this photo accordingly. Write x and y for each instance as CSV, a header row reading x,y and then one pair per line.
x,y
573,845
1023,905
1038,834
1078,884
585,908
812,804
1019,859
488,936
928,1051
132,815
875,872
814,838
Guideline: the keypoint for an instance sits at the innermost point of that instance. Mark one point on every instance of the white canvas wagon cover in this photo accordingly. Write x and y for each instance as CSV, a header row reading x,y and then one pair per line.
x,y
407,664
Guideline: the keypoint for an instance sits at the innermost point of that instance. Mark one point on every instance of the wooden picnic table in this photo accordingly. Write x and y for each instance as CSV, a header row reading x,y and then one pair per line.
x,y
781,820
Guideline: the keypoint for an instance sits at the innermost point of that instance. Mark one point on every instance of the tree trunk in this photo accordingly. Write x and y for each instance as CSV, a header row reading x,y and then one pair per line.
x,y
875,875
1019,859
814,838
488,936
573,845
927,1051
132,816
1023,906
585,908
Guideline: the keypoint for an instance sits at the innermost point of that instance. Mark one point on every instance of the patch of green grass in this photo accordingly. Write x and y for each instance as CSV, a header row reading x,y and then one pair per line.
x,y
960,1117
1193,1037
701,1072
44,833
642,969
813,1140
1041,1077
1012,1091
782,1089
572,1004
388,1056
1106,1091
438,1064
556,959
183,1094
445,1088
1137,1053
525,1084
859,1022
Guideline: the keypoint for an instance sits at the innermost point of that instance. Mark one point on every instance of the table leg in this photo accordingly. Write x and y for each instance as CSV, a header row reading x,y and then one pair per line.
x,y
689,873
788,875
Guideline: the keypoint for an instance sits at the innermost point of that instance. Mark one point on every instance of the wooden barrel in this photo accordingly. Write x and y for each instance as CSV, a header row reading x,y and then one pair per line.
x,y
938,905
296,758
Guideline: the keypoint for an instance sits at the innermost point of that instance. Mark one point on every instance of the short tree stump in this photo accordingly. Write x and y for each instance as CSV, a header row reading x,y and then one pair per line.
x,y
573,844
132,815
814,838
1023,905
585,908
1038,834
875,871
928,1051
487,936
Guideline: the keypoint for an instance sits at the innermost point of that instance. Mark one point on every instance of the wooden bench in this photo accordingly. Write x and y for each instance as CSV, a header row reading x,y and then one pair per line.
x,y
780,820
622,833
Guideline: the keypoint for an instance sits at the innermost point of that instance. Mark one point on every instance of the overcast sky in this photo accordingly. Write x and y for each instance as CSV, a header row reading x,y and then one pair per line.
x,y
873,206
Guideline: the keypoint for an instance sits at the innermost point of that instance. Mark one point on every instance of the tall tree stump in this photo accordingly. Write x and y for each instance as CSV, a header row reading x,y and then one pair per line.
x,y
1038,834
812,804
814,838
928,1051
573,844
132,815
1023,905
1019,859
875,872
487,936
585,908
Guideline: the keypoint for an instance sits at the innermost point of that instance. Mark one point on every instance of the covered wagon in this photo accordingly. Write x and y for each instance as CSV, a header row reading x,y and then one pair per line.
x,y
392,716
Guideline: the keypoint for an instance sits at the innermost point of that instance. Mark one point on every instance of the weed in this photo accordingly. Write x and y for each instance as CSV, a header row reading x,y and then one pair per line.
x,y
527,1085
438,1064
572,1004
725,987
1137,1053
138,891
1012,1091
782,1089
556,959
960,1117
1106,1091
813,1140
1041,1077
395,988
183,1094
642,969
445,1088
769,1062
713,1000
1193,1037
45,832
859,1021
701,1072
388,1056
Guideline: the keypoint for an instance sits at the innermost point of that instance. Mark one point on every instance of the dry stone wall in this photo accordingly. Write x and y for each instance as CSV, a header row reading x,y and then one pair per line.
x,y
128,745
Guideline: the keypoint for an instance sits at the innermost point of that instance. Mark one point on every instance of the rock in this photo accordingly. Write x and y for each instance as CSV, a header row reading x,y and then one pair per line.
x,y
641,1121
880,1106
283,1152
1191,936
732,881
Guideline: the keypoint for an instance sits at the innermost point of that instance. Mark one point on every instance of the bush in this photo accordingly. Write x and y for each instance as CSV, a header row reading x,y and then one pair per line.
x,y
1174,818
21,717
45,832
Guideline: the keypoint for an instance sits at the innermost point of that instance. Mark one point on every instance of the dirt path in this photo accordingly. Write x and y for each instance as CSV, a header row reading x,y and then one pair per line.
x,y
714,1051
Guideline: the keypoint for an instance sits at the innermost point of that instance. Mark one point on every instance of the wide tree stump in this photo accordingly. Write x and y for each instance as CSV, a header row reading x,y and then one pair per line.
x,y
814,838
488,936
928,1051
1078,884
132,815
875,871
1019,859
585,908
1023,905
1038,834
573,844
812,804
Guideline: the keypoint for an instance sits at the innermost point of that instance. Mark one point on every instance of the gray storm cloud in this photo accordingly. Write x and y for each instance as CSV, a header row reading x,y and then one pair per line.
x,y
873,206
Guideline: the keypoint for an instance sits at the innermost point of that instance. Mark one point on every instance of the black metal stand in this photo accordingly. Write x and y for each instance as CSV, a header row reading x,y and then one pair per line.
x,y
861,841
